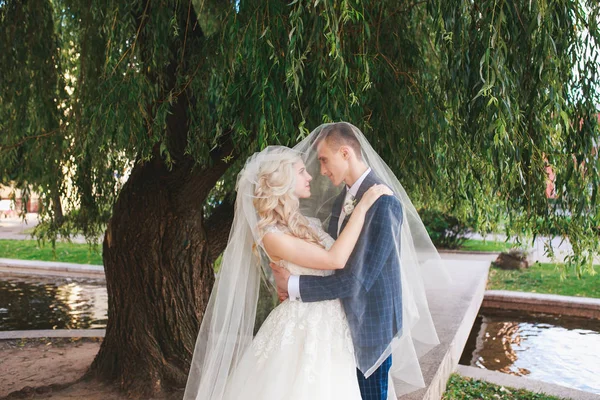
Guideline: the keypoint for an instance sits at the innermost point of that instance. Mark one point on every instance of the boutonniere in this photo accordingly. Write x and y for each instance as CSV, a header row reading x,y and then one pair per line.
x,y
349,205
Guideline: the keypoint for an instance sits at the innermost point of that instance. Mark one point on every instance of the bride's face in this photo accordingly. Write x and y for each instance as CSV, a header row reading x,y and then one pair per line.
x,y
303,179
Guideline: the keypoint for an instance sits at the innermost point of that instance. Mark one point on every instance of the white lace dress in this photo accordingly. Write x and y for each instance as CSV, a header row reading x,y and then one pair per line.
x,y
303,351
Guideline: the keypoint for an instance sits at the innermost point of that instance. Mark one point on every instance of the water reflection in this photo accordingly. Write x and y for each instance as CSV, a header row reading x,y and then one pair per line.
x,y
550,348
57,303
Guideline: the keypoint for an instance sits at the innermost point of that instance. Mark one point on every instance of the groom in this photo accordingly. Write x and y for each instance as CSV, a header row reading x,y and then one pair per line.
x,y
369,286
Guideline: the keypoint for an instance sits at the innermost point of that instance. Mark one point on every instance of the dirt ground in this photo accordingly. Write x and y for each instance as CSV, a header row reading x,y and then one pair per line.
x,y
47,368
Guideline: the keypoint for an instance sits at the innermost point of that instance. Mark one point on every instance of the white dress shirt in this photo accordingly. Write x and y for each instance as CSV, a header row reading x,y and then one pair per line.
x,y
294,280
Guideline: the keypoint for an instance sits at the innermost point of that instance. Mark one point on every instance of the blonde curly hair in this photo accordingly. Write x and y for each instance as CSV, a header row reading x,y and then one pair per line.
x,y
276,202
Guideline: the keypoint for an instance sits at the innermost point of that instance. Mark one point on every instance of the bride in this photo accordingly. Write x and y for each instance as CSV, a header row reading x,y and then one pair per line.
x,y
309,340
305,350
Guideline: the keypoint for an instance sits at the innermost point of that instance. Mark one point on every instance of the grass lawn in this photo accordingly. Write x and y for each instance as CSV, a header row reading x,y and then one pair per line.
x,y
65,252
546,278
487,245
462,388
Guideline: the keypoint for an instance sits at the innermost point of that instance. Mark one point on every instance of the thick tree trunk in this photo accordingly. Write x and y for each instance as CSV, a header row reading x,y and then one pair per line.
x,y
158,265
157,252
159,278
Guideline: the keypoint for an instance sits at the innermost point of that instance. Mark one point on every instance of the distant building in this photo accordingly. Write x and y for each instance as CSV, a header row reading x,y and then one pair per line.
x,y
550,186
8,208
551,176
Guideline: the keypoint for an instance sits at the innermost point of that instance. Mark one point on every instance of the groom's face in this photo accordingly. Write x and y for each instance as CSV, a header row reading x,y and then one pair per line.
x,y
333,164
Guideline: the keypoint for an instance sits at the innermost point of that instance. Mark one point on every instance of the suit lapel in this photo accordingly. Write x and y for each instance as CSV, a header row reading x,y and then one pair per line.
x,y
370,180
335,213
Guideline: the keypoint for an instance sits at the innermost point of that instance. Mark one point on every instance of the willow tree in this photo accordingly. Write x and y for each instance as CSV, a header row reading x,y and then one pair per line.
x,y
467,101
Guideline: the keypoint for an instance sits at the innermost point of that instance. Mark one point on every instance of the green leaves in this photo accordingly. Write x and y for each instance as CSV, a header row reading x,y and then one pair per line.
x,y
468,102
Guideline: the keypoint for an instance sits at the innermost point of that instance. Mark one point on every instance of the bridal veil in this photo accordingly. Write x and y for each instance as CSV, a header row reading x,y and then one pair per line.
x,y
228,324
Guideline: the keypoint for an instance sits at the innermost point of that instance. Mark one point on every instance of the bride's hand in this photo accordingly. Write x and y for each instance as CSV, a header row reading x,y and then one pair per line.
x,y
371,195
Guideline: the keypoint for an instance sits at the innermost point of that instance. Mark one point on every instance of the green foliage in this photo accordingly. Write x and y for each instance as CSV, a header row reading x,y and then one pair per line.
x,y
515,70
554,227
547,278
468,102
32,99
446,231
462,388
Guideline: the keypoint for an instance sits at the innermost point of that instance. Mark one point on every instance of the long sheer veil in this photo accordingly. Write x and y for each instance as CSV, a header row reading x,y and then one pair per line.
x,y
228,323
421,265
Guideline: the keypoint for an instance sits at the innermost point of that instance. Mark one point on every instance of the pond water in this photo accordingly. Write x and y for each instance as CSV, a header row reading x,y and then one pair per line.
x,y
550,348
52,303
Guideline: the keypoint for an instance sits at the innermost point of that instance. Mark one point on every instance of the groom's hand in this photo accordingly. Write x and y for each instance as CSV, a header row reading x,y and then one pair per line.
x,y
282,276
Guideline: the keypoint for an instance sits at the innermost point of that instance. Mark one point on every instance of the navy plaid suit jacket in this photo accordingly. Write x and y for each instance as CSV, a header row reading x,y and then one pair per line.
x,y
369,285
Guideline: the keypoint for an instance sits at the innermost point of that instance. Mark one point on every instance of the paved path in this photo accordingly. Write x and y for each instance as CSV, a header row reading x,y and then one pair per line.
x,y
454,310
562,247
15,228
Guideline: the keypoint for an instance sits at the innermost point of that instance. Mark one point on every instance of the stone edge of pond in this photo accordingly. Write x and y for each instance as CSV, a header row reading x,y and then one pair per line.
x,y
52,333
521,382
454,309
546,303
49,268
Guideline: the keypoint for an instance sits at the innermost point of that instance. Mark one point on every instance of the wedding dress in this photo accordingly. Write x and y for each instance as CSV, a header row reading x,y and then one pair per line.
x,y
303,351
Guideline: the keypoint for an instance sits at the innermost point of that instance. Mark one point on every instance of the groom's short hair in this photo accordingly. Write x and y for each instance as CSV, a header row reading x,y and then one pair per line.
x,y
337,135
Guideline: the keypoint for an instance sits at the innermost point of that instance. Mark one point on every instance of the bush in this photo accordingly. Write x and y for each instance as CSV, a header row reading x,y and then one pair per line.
x,y
446,231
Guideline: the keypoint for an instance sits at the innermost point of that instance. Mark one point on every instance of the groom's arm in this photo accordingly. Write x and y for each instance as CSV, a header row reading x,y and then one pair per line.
x,y
378,240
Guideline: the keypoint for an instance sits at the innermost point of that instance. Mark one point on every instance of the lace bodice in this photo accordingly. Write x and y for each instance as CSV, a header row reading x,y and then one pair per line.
x,y
324,238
